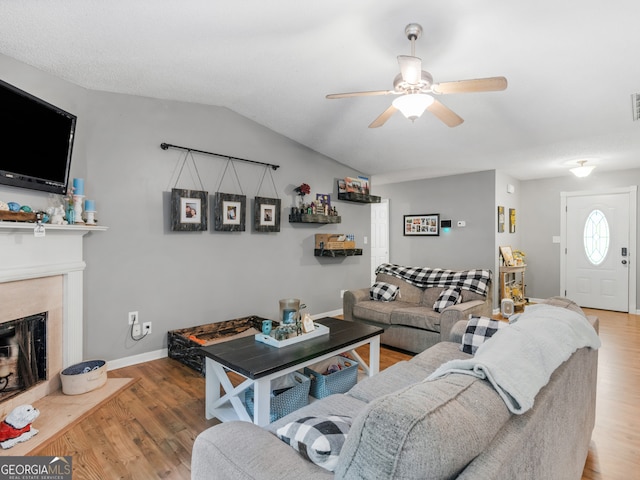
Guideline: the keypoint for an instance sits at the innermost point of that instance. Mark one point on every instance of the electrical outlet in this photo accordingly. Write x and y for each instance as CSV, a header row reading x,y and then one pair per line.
x,y
133,318
136,329
146,328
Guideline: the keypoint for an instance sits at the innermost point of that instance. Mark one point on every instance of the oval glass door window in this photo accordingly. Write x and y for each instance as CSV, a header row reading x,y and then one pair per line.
x,y
596,237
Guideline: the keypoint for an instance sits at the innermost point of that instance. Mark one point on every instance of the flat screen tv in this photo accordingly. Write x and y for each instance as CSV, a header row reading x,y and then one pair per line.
x,y
36,141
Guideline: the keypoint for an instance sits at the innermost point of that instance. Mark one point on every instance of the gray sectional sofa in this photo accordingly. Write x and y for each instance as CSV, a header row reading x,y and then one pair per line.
x,y
403,427
410,322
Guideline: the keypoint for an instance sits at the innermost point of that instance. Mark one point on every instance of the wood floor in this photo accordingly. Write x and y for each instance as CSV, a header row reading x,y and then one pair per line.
x,y
147,431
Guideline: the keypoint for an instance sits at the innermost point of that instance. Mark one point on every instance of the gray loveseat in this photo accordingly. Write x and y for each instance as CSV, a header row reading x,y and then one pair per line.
x,y
410,322
404,427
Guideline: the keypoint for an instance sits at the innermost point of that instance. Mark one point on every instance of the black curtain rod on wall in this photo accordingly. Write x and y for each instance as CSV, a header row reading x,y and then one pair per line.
x,y
165,146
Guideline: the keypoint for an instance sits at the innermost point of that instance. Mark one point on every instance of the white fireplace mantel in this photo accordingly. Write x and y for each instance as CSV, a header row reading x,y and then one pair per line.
x,y
24,256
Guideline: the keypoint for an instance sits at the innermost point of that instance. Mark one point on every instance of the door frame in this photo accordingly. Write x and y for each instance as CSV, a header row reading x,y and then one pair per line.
x,y
373,205
633,203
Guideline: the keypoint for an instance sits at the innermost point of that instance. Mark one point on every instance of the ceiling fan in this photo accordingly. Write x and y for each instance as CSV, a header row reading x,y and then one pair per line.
x,y
415,88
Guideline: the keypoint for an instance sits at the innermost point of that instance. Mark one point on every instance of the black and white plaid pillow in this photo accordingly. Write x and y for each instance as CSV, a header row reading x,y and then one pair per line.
x,y
384,292
479,330
318,439
447,297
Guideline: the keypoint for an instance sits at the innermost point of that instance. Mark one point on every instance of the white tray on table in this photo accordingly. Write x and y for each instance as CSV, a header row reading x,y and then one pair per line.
x,y
269,340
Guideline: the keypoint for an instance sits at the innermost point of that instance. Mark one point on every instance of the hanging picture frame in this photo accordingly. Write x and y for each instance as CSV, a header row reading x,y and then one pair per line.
x,y
188,210
512,220
266,214
423,225
500,219
229,212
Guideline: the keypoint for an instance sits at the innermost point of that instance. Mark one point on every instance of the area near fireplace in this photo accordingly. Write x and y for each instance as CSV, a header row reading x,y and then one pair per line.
x,y
44,274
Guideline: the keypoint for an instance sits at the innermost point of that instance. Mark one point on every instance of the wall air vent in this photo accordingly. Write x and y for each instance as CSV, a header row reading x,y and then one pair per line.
x,y
635,106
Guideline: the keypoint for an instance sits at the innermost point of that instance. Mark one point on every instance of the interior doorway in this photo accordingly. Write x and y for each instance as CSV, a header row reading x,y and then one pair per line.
x,y
379,235
598,245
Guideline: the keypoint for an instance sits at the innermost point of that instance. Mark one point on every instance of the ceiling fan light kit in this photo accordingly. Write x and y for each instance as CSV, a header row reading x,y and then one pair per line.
x,y
413,106
415,88
583,170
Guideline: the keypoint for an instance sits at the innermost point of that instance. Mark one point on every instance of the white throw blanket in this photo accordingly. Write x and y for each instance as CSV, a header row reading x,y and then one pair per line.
x,y
519,360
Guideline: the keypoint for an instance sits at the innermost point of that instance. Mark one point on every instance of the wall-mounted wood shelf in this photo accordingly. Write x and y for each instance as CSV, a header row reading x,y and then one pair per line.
x,y
347,252
314,218
358,197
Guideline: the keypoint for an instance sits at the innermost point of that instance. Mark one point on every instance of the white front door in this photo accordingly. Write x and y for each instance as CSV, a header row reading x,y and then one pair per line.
x,y
379,235
598,250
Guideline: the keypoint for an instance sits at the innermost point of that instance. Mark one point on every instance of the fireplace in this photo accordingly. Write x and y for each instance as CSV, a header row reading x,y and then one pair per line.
x,y
23,354
38,275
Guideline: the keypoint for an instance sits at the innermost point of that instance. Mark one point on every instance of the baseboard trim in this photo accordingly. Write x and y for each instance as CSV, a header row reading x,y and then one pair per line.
x,y
333,313
163,353
135,359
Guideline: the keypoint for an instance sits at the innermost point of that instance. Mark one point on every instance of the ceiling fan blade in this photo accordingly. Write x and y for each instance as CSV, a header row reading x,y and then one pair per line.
x,y
491,84
360,94
384,116
410,69
445,114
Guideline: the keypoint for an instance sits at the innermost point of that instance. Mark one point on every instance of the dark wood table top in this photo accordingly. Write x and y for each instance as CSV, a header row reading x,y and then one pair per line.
x,y
254,359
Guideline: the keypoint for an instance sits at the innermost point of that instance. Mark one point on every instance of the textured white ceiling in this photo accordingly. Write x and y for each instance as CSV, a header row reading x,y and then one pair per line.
x,y
571,67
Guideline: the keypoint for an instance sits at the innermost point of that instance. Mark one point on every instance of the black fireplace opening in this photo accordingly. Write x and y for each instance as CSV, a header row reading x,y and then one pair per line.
x,y
23,354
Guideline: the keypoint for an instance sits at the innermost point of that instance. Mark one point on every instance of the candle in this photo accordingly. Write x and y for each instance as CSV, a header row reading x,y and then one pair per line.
x,y
89,205
78,186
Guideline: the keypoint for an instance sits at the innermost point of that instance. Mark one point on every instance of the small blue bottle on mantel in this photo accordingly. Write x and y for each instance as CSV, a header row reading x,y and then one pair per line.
x,y
71,215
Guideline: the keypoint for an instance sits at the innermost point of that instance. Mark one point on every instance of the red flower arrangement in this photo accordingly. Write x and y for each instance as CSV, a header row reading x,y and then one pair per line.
x,y
303,189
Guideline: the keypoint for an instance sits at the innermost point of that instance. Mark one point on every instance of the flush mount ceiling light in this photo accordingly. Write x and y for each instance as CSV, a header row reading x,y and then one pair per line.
x,y
413,106
583,170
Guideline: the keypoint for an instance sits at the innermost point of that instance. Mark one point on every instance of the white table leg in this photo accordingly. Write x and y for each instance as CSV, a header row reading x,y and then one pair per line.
x,y
374,355
215,376
212,388
262,399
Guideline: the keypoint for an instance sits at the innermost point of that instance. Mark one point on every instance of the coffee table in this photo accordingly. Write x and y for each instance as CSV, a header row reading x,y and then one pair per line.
x,y
259,363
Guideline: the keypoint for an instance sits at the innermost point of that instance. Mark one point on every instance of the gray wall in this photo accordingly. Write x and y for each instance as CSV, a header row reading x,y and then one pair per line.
x,y
474,198
540,206
182,279
468,197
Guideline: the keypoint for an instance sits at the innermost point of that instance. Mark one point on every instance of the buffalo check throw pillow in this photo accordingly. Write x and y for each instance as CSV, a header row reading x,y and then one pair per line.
x,y
384,292
479,330
318,439
448,297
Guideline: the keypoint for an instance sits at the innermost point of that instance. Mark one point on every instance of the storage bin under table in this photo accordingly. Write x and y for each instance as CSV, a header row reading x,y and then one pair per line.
x,y
341,381
288,394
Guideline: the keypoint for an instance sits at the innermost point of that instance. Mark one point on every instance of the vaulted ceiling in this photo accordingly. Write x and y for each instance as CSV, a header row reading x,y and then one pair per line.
x,y
571,68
